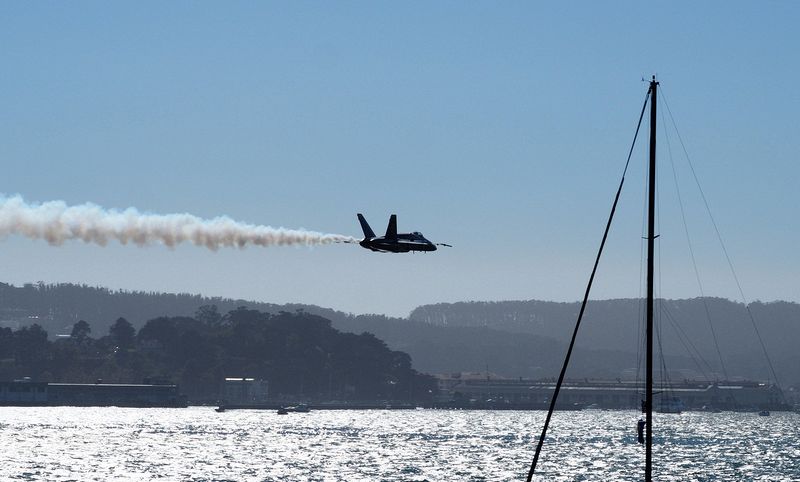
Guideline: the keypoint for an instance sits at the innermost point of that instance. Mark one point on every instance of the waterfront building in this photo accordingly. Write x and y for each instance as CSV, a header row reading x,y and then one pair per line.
x,y
481,390
29,393
241,390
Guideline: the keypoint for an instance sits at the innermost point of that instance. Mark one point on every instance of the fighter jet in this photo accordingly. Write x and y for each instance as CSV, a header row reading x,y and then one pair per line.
x,y
392,242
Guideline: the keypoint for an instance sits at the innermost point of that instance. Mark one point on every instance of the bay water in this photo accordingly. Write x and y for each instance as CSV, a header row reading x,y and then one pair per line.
x,y
198,444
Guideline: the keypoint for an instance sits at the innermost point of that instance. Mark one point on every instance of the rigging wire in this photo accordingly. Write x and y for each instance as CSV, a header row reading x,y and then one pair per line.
x,y
691,252
686,341
640,335
724,249
585,298
666,386
657,299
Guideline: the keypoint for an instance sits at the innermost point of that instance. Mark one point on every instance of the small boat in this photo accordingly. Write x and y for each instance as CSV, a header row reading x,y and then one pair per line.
x,y
282,411
299,408
764,413
219,409
302,408
671,405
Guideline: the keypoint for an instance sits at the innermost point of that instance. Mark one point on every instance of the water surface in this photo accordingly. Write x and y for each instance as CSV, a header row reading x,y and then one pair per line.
x,y
198,444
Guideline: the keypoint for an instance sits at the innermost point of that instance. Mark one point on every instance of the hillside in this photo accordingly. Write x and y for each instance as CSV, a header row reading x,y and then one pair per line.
x,y
613,325
300,354
57,307
513,338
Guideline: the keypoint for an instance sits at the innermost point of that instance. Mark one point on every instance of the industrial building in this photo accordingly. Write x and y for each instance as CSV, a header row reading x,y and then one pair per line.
x,y
242,391
29,393
491,391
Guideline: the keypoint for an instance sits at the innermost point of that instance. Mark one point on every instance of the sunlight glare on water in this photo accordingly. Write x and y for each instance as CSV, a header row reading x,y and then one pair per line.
x,y
198,444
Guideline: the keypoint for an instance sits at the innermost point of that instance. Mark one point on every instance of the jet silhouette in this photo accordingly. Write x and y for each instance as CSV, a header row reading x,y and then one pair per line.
x,y
392,242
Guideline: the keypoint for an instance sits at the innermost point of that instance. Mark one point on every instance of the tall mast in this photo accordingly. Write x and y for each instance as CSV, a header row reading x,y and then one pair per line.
x,y
651,237
589,288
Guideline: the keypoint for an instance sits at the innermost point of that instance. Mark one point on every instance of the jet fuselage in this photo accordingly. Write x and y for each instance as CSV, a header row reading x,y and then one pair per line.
x,y
403,244
392,242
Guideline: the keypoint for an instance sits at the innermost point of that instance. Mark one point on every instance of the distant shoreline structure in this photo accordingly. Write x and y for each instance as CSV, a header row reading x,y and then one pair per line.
x,y
470,392
481,391
27,393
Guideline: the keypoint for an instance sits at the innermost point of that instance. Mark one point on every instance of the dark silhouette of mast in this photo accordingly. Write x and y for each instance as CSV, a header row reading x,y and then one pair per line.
x,y
586,298
651,237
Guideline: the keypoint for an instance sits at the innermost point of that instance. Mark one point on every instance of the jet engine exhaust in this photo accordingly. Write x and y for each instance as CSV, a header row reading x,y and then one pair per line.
x,y
55,222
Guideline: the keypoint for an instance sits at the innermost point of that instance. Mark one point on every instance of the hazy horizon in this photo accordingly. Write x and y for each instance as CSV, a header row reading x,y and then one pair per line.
x,y
391,315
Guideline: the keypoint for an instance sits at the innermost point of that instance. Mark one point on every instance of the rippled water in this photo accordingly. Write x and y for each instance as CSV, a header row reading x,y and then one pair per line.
x,y
198,444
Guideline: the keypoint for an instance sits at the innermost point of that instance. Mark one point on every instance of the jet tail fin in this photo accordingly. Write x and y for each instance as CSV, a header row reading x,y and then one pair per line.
x,y
391,229
368,233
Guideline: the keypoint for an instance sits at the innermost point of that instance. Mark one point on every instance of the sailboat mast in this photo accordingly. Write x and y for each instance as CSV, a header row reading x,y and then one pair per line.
x,y
651,237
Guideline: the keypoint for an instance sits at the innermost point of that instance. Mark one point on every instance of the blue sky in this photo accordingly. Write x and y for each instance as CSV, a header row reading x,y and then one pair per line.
x,y
500,128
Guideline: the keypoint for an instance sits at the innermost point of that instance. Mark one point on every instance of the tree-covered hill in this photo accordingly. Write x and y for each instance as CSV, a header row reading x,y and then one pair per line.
x,y
433,349
300,354
512,338
688,328
56,307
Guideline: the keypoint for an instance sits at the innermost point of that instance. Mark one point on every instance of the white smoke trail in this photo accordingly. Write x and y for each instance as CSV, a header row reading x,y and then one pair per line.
x,y
56,222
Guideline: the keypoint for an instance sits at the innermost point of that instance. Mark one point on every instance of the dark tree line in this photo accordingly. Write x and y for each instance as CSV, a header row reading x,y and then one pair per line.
x,y
300,354
56,307
511,338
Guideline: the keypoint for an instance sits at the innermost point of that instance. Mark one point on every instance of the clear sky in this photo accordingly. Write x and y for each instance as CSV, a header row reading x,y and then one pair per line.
x,y
498,127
